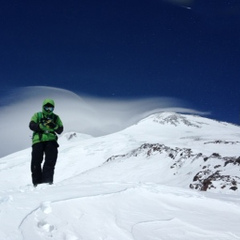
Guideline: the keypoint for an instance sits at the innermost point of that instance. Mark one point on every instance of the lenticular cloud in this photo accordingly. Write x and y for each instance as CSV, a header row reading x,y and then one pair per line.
x,y
80,113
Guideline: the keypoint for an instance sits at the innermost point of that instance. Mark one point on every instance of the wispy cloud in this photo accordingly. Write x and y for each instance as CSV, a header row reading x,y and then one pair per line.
x,y
181,3
80,113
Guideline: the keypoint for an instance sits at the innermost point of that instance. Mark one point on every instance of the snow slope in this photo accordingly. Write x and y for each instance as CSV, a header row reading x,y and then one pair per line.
x,y
142,183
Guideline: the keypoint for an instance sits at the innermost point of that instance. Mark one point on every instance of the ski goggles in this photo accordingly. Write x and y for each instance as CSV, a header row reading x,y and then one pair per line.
x,y
49,109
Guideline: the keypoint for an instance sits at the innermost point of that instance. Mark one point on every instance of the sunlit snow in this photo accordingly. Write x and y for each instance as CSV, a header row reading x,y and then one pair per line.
x,y
111,188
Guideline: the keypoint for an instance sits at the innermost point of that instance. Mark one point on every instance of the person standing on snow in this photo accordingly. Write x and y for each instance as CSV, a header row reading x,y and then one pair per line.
x,y
44,125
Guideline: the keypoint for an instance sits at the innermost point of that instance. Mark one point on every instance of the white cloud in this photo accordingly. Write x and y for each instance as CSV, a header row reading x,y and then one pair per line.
x,y
85,114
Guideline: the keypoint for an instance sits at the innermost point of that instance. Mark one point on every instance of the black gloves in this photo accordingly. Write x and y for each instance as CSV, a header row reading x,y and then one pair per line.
x,y
47,125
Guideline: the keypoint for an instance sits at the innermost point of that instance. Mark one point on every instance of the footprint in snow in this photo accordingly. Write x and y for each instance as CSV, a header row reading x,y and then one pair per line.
x,y
45,226
46,207
6,199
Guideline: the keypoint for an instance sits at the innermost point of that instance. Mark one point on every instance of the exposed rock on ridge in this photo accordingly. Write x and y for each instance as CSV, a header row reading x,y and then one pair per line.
x,y
207,172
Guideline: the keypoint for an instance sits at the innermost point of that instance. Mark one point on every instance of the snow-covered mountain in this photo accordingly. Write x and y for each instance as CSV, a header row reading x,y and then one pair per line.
x,y
141,183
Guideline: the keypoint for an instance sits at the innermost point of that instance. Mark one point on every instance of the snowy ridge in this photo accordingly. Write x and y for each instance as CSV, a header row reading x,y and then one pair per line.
x,y
183,120
170,176
175,119
207,172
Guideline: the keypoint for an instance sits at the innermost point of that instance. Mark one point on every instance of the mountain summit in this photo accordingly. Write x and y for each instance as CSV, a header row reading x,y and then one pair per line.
x,y
179,150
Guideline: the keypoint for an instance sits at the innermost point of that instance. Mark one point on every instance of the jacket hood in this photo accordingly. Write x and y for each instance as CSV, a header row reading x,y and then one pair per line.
x,y
45,102
48,101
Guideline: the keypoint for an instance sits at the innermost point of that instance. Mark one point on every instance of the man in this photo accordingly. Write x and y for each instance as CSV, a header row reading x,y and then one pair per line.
x,y
44,125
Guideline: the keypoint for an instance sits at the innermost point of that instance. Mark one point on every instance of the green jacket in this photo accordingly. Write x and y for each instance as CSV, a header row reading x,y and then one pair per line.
x,y
43,132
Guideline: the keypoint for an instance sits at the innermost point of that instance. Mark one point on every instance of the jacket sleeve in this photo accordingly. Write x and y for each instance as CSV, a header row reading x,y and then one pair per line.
x,y
59,130
33,125
59,123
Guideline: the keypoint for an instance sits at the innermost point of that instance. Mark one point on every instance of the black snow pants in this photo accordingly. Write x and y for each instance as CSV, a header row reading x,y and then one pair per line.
x,y
43,173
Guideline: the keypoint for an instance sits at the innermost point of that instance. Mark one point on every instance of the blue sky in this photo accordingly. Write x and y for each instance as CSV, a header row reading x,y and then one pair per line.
x,y
183,49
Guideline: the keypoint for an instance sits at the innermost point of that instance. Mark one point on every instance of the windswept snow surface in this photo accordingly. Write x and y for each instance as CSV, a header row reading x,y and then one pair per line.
x,y
116,187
